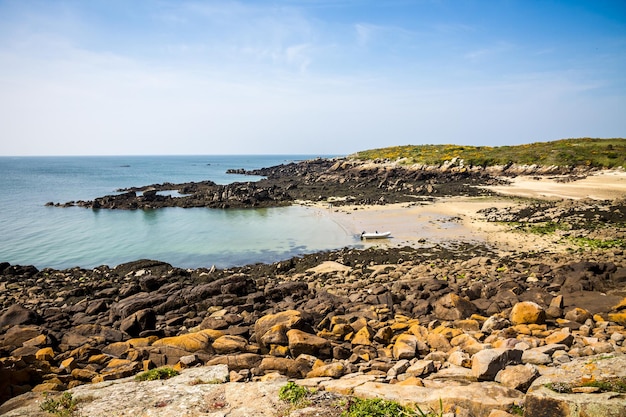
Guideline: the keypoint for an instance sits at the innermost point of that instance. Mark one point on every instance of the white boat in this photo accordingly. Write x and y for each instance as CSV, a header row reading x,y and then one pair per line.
x,y
375,235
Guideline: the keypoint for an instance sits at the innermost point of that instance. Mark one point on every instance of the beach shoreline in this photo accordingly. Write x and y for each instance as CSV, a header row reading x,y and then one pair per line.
x,y
458,219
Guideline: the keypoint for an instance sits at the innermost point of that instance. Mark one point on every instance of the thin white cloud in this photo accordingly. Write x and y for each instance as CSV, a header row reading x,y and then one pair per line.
x,y
247,78
363,33
489,52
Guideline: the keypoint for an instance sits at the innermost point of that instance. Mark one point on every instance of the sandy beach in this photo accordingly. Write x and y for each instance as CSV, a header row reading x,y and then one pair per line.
x,y
457,219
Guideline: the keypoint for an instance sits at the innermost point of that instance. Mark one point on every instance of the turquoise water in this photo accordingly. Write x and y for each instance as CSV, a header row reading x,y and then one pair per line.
x,y
33,234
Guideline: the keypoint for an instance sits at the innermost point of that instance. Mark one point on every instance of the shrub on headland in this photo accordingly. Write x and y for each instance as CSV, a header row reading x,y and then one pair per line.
x,y
587,152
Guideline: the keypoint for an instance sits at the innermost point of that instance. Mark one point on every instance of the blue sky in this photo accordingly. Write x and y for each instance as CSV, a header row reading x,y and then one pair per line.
x,y
117,77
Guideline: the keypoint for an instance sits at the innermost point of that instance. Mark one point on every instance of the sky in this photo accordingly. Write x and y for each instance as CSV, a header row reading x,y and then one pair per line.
x,y
327,77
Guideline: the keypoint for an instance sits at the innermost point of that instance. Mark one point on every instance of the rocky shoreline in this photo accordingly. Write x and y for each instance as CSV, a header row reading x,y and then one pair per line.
x,y
479,330
341,179
399,316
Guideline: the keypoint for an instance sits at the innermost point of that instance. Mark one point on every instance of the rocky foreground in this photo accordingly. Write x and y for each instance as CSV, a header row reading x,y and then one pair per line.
x,y
351,322
466,327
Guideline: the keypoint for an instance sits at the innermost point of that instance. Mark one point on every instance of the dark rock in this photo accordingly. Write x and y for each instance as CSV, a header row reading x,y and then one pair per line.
x,y
16,314
15,336
138,322
134,303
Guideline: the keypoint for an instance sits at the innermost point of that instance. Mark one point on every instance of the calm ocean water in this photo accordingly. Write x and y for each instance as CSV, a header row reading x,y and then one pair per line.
x,y
33,234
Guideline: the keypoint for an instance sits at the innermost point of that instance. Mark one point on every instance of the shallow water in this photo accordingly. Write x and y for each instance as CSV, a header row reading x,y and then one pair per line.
x,y
33,234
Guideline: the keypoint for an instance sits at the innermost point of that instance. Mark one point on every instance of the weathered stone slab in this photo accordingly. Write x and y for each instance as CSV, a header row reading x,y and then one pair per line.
x,y
543,402
478,398
346,385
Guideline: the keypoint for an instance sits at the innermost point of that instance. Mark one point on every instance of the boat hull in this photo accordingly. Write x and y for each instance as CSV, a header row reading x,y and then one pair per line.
x,y
375,235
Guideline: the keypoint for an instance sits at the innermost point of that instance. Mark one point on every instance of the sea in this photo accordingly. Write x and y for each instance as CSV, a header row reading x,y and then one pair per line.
x,y
32,233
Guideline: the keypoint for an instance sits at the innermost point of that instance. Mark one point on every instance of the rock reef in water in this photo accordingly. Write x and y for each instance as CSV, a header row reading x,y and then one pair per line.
x,y
346,180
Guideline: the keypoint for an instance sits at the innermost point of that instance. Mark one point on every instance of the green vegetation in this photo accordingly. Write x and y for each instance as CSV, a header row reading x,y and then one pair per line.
x,y
589,152
294,394
609,385
544,228
606,385
65,406
377,407
517,410
585,242
157,373
299,397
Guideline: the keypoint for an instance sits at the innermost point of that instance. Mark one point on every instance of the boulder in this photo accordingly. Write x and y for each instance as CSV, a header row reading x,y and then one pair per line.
x,y
555,309
45,354
618,313
453,307
438,342
275,335
18,315
118,368
106,333
405,346
518,377
363,337
96,306
237,362
527,312
563,336
487,363
289,367
460,358
117,349
421,368
304,343
288,319
230,344
138,322
134,303
16,335
347,384
191,342
331,370
578,315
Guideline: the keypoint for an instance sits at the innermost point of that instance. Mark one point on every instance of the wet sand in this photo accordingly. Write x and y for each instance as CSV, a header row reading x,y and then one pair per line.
x,y
457,219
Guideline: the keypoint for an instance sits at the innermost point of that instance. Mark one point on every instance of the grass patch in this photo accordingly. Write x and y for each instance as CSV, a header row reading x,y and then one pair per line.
x,y
64,406
294,394
378,407
588,152
608,385
589,243
605,385
544,228
517,410
157,373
